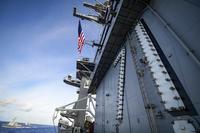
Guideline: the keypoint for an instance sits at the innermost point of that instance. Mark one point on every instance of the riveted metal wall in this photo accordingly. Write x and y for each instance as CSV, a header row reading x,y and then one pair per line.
x,y
158,118
134,107
134,114
172,24
187,29
106,110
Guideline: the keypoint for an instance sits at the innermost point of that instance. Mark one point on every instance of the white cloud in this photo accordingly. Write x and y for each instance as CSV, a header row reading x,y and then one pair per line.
x,y
23,106
32,87
6,102
36,104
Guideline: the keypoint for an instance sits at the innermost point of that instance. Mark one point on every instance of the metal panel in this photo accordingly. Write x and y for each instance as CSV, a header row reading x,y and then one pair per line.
x,y
158,119
182,126
140,115
166,88
134,104
98,127
175,53
121,58
110,99
106,101
183,17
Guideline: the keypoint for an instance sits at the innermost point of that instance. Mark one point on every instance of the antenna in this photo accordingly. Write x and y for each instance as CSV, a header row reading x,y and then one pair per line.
x,y
93,43
100,8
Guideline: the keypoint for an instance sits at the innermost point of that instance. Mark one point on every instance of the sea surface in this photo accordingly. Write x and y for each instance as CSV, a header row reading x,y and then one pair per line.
x,y
34,128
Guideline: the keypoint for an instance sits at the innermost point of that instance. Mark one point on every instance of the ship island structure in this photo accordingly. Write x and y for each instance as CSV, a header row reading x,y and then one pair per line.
x,y
146,72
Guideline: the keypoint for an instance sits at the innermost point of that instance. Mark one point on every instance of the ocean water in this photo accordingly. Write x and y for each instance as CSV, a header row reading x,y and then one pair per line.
x,y
34,128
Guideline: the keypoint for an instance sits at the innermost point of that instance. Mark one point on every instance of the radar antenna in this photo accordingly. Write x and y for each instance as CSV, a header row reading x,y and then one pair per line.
x,y
100,8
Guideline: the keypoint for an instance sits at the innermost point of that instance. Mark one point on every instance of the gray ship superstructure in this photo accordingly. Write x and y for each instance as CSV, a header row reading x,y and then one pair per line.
x,y
147,67
80,117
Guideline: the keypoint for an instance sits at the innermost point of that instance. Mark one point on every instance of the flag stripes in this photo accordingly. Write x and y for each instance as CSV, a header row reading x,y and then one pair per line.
x,y
81,38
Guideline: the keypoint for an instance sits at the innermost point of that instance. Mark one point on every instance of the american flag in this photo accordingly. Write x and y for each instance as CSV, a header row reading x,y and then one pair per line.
x,y
81,37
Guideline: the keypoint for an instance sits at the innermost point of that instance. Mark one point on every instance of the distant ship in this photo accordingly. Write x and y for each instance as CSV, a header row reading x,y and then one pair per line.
x,y
14,124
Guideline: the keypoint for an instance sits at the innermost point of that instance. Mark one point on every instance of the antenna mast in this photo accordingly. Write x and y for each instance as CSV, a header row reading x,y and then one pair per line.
x,y
100,8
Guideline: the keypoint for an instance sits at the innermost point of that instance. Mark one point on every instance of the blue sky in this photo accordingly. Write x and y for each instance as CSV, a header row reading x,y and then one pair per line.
x,y
38,48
